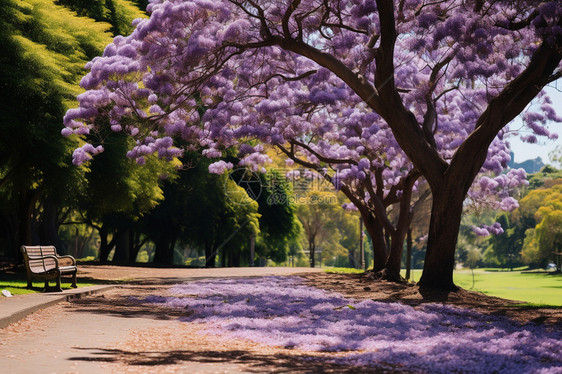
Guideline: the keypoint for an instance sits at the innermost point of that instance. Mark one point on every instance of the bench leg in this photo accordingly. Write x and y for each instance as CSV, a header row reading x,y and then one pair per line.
x,y
73,285
58,288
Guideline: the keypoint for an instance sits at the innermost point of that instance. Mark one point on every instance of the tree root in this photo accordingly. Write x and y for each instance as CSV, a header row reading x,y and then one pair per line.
x,y
386,275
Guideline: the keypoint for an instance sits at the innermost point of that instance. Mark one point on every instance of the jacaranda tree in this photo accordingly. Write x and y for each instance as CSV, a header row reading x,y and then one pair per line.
x,y
440,81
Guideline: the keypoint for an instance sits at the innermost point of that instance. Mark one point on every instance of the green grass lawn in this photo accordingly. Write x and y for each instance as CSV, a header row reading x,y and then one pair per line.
x,y
535,288
18,287
335,270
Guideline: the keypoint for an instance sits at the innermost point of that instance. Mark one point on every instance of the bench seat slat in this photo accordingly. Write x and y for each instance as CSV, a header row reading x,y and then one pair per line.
x,y
67,269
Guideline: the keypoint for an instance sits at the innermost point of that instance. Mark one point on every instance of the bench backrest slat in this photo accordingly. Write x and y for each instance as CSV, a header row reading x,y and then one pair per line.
x,y
48,250
42,265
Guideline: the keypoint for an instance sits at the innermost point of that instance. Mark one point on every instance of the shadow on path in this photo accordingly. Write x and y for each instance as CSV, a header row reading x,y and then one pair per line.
x,y
122,302
251,361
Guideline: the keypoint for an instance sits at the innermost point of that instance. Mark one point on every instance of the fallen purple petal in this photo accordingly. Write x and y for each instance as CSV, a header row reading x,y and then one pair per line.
x,y
281,311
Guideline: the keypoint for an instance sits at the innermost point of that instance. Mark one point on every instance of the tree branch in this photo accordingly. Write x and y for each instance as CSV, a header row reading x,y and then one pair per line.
x,y
403,123
430,116
516,26
511,101
287,16
264,29
322,158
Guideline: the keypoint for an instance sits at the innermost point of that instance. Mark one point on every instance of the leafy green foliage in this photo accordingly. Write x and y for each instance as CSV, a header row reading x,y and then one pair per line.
x,y
116,184
197,212
545,239
325,223
546,175
279,226
506,247
531,232
118,13
45,47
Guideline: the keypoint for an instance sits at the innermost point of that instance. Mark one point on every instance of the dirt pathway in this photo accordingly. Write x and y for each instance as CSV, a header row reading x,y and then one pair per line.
x,y
111,333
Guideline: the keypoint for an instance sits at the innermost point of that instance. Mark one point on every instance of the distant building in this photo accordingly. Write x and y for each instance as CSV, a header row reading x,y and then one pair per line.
x,y
530,166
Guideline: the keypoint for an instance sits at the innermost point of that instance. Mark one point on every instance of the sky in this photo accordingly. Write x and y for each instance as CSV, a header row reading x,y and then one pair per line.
x,y
526,151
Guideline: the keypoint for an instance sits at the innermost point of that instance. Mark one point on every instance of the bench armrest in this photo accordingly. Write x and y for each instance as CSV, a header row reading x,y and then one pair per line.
x,y
68,260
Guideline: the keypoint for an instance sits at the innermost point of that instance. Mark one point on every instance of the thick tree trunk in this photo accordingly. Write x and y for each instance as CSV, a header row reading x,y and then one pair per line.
x,y
26,204
210,255
163,254
223,257
8,244
443,232
312,250
135,245
48,228
380,250
393,264
388,240
397,236
361,246
237,258
408,253
105,246
351,258
164,241
234,258
122,247
391,271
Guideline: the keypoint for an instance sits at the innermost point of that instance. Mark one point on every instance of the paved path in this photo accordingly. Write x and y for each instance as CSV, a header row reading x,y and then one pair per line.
x,y
88,335
149,274
13,309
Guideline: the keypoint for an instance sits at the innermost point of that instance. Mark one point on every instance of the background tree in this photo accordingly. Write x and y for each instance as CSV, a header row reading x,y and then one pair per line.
x,y
116,192
473,256
206,211
548,176
545,238
279,226
313,214
45,47
506,246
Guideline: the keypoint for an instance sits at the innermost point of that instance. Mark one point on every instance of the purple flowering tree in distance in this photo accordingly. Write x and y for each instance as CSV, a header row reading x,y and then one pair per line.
x,y
438,80
354,149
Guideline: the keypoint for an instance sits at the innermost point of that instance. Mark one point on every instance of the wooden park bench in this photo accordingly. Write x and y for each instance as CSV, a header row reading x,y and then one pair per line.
x,y
43,262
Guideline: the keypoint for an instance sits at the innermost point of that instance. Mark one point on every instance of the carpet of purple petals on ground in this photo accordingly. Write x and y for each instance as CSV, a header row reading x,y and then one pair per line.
x,y
281,311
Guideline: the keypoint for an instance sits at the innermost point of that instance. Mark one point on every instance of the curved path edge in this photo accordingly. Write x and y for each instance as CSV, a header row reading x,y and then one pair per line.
x,y
15,308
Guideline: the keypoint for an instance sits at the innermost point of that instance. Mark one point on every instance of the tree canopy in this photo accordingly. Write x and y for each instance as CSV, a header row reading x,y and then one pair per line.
x,y
404,87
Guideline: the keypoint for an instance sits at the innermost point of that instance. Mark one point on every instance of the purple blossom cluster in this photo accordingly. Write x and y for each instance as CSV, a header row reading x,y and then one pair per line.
x,y
281,311
217,74
486,230
151,85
